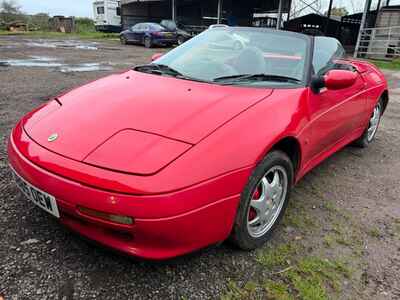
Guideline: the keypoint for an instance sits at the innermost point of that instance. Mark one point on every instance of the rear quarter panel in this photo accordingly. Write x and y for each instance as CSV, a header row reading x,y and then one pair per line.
x,y
375,82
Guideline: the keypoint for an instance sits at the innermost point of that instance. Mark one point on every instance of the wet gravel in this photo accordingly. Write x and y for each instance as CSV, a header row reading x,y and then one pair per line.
x,y
40,259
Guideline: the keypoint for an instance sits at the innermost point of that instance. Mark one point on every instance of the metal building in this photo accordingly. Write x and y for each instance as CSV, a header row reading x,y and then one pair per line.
x,y
200,12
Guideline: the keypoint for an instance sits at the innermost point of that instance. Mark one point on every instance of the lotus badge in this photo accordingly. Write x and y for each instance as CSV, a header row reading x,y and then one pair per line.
x,y
52,137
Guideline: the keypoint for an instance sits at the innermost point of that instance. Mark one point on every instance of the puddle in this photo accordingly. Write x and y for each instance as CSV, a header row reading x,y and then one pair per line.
x,y
41,45
74,44
59,44
86,47
88,67
9,46
33,61
50,62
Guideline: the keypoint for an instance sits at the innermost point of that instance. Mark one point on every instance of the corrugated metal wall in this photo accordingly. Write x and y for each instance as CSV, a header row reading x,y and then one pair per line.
x,y
388,18
195,12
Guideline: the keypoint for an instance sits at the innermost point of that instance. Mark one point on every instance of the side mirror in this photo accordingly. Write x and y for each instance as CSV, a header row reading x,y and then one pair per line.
x,y
156,56
334,80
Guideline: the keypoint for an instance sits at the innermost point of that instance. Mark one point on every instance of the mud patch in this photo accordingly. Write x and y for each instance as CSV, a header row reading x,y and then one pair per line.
x,y
87,67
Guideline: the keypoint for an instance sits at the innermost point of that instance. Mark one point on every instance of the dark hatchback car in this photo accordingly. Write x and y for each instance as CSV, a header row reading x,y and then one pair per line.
x,y
149,35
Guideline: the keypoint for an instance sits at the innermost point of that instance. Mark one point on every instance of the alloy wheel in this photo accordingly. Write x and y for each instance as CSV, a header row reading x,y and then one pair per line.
x,y
267,201
147,42
181,40
374,122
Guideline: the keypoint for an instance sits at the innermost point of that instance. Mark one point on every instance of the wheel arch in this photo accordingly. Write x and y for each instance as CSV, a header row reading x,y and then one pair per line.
x,y
290,145
385,99
145,36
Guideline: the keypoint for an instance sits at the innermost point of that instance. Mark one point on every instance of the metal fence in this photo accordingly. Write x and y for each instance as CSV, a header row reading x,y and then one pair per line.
x,y
379,43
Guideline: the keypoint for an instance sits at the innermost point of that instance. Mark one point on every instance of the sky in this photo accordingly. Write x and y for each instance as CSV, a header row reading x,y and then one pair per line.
x,y
83,8
78,8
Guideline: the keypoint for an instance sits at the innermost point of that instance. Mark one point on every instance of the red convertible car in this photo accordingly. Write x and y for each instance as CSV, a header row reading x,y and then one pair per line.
x,y
203,144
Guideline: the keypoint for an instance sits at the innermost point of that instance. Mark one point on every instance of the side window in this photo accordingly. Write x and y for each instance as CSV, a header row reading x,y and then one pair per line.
x,y
136,27
326,51
100,10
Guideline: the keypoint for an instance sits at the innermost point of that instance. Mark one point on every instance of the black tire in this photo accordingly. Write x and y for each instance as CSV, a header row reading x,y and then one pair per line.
x,y
366,139
123,40
240,235
181,40
147,42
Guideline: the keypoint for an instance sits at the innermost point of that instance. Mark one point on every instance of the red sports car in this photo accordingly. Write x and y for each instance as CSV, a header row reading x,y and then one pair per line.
x,y
203,144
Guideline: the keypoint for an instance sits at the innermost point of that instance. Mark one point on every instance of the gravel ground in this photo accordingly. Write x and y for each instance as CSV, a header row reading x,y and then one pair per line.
x,y
40,259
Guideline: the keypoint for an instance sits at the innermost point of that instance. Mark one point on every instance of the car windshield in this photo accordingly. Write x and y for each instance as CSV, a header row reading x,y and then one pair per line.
x,y
157,27
241,56
169,24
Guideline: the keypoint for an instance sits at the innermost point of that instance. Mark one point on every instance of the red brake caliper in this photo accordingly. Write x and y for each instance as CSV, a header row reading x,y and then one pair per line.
x,y
256,195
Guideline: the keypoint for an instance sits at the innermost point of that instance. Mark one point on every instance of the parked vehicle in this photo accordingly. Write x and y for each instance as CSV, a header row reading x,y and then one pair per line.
x,y
182,35
107,15
149,34
229,41
203,144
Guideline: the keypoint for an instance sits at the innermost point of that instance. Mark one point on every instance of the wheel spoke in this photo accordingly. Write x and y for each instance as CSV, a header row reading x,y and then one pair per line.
x,y
276,187
279,192
269,215
266,188
374,122
254,221
371,129
258,205
270,187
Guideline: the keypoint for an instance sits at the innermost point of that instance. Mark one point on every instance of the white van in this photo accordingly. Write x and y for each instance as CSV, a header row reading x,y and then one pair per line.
x,y
107,15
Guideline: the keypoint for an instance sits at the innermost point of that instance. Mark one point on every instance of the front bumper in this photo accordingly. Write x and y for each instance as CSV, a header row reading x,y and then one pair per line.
x,y
154,237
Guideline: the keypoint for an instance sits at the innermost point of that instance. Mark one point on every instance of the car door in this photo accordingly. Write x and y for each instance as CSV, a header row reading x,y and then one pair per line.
x,y
334,114
131,33
141,32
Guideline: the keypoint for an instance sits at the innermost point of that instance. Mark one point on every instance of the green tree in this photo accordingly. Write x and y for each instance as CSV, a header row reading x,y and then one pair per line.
x,y
10,11
338,11
84,25
39,21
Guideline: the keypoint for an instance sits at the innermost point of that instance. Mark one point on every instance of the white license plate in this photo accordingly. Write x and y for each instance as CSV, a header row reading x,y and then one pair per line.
x,y
42,199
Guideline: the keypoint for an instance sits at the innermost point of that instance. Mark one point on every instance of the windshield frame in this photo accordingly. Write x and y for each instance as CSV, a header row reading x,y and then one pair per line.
x,y
307,59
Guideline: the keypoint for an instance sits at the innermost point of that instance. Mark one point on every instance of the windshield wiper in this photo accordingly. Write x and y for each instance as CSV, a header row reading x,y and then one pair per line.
x,y
160,69
256,77
157,69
